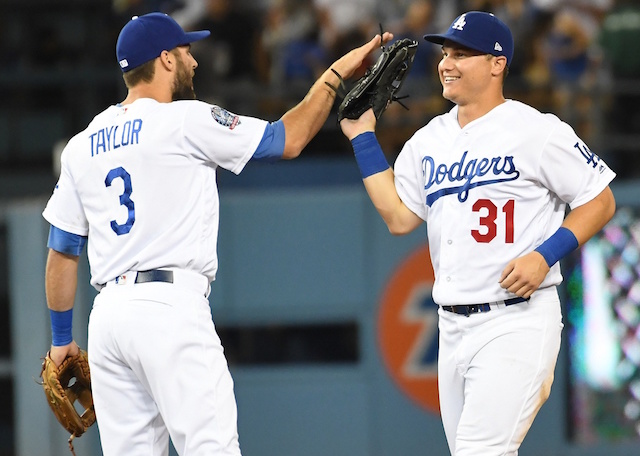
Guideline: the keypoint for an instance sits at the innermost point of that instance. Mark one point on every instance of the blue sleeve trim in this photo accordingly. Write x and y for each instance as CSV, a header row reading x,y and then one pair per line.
x,y
271,146
65,242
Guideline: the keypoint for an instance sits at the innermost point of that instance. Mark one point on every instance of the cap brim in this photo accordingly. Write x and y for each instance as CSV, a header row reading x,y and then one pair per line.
x,y
196,36
440,39
433,38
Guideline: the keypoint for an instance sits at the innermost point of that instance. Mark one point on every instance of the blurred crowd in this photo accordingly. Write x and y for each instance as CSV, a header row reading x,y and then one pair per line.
x,y
577,58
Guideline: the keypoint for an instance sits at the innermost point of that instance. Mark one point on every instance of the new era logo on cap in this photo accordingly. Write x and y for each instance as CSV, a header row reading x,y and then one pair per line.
x,y
479,31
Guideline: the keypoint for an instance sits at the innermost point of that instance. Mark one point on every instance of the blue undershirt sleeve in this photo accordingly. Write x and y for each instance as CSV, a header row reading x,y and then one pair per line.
x,y
65,242
271,146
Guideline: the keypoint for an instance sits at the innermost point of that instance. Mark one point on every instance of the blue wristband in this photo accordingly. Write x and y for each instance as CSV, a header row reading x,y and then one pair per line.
x,y
369,155
559,245
61,333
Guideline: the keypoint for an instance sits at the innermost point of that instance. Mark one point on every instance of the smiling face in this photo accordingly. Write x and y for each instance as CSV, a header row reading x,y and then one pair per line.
x,y
467,76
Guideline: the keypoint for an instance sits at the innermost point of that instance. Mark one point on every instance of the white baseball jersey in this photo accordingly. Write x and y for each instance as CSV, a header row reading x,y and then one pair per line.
x,y
493,191
140,181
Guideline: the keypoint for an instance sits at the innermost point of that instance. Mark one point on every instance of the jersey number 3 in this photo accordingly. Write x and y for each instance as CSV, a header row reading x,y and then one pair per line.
x,y
125,200
489,221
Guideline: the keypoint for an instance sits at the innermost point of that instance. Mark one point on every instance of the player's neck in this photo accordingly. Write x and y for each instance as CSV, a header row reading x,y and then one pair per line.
x,y
153,91
467,113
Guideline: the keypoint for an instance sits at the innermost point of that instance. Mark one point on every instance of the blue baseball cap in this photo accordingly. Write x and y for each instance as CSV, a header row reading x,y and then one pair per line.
x,y
144,38
479,31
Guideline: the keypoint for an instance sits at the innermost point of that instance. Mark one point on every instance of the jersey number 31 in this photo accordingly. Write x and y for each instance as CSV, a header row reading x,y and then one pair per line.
x,y
488,221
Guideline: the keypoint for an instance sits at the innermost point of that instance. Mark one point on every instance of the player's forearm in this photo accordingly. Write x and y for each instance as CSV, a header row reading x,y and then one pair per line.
x,y
382,192
302,122
61,279
377,175
586,220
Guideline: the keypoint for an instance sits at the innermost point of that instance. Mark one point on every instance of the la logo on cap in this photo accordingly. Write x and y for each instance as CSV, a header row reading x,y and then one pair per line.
x,y
460,23
497,47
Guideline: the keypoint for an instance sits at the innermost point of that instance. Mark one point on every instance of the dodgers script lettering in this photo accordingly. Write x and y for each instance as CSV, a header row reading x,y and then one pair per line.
x,y
467,173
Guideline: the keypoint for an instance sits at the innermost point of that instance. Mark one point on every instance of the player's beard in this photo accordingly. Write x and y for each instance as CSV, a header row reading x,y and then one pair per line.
x,y
183,83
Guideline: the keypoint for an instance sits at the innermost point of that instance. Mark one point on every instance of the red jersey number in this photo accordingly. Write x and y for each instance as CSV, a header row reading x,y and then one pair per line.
x,y
488,212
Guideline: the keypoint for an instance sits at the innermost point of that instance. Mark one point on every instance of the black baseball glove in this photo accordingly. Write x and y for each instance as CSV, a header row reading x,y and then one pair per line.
x,y
379,85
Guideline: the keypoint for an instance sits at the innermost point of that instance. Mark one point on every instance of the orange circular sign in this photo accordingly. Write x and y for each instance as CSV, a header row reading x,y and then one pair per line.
x,y
408,330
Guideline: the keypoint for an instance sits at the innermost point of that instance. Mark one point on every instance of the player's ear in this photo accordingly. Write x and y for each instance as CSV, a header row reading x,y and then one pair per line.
x,y
167,60
499,65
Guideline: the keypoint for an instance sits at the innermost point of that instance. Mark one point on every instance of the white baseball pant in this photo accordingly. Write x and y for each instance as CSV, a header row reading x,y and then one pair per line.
x,y
158,370
495,370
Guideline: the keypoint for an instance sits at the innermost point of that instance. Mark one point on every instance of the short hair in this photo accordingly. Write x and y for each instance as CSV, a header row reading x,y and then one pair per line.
x,y
143,73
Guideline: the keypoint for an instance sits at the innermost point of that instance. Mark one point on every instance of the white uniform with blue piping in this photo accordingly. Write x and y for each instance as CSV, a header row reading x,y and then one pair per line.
x,y
490,192
140,182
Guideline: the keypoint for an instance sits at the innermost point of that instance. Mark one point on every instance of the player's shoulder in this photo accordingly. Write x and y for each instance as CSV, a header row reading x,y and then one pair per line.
x,y
185,105
103,117
173,110
99,121
197,109
516,110
528,124
158,112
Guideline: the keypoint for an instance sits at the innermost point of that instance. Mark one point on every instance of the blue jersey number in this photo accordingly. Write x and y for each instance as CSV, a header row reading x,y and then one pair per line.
x,y
125,200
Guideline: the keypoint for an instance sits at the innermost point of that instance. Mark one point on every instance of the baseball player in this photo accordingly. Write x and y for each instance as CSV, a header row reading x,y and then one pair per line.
x,y
138,186
491,178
